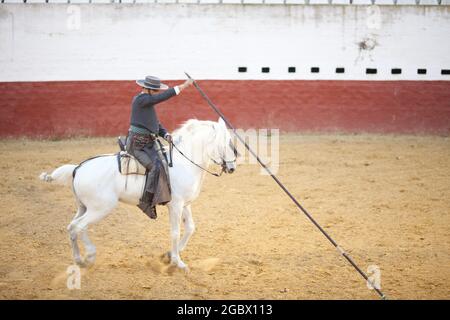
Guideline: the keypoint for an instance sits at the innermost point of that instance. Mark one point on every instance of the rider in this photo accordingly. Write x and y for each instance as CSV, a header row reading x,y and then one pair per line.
x,y
143,143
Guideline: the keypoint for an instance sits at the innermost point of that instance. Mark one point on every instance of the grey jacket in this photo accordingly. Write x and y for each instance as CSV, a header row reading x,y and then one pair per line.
x,y
143,113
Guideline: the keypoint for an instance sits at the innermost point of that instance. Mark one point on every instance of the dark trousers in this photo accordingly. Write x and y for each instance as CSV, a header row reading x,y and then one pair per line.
x,y
150,155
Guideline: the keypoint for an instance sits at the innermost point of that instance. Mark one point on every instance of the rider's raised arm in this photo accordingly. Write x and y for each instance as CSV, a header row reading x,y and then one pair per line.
x,y
151,99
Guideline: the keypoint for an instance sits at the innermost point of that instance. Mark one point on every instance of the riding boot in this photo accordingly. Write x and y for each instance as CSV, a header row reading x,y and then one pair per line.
x,y
145,204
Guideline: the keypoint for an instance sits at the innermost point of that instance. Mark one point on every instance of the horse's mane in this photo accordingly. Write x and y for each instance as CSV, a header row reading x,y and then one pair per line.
x,y
191,127
194,135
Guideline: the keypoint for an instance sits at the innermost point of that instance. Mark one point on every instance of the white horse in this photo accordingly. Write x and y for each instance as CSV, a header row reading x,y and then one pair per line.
x,y
98,185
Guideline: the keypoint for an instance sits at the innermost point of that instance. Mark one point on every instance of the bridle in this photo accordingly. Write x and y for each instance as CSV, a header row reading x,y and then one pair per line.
x,y
224,162
223,165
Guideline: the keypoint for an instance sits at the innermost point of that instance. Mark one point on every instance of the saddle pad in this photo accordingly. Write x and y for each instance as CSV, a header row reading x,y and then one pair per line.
x,y
129,165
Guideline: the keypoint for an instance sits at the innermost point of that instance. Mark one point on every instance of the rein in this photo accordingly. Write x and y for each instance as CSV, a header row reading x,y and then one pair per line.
x,y
197,165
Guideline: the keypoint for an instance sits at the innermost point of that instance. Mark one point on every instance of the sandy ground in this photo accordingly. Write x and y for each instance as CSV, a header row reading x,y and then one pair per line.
x,y
385,199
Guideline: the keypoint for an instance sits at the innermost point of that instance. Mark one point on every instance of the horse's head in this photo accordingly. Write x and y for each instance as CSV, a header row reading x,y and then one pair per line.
x,y
224,152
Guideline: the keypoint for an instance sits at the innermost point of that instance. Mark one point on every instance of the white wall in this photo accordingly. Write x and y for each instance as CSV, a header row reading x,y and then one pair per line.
x,y
329,2
40,42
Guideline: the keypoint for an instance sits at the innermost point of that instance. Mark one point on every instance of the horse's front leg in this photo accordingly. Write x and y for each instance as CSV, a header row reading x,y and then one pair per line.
x,y
189,227
175,212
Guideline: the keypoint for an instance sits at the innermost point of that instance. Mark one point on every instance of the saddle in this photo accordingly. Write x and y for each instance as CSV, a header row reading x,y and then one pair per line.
x,y
127,163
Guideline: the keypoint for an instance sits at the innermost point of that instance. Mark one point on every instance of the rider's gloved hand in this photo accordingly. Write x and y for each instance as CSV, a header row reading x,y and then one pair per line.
x,y
186,84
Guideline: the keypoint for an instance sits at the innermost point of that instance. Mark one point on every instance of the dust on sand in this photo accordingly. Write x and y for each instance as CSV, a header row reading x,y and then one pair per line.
x,y
385,199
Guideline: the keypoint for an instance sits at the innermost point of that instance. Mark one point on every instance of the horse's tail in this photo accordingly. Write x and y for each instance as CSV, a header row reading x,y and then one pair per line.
x,y
61,175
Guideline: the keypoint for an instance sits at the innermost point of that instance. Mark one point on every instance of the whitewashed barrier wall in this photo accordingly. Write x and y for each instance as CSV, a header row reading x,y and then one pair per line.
x,y
308,2
44,42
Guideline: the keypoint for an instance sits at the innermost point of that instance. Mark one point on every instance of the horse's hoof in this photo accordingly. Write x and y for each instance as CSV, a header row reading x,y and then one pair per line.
x,y
166,257
80,263
182,267
89,260
186,269
172,268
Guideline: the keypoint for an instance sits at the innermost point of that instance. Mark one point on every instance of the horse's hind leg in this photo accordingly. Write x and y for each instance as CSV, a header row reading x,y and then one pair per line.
x,y
74,235
91,252
80,226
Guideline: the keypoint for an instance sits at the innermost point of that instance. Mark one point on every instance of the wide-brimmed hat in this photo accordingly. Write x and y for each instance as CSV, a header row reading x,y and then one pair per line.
x,y
153,83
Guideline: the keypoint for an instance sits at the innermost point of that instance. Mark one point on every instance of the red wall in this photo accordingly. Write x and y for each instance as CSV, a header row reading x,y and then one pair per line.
x,y
102,107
